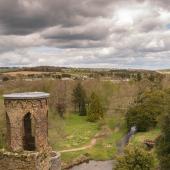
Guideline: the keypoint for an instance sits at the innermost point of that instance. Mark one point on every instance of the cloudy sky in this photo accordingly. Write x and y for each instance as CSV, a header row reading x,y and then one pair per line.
x,y
85,33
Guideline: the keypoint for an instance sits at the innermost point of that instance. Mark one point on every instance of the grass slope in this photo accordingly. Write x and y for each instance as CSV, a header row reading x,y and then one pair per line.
x,y
75,131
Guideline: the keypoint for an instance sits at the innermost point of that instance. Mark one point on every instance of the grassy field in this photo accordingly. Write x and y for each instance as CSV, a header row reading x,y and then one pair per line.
x,y
75,131
142,136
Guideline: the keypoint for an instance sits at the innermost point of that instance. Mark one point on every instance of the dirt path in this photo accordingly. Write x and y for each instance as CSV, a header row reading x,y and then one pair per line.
x,y
92,143
103,132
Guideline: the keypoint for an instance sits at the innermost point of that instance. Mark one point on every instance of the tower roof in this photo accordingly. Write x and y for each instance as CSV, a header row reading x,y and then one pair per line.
x,y
26,95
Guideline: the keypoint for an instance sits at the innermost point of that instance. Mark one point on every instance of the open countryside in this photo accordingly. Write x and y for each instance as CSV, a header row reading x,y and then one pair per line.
x,y
81,133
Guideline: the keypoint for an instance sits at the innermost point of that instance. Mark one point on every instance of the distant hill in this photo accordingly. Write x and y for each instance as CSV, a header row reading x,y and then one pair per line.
x,y
164,71
78,73
8,69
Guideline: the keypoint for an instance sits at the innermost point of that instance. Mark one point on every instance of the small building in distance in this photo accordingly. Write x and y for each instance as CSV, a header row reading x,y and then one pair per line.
x,y
27,134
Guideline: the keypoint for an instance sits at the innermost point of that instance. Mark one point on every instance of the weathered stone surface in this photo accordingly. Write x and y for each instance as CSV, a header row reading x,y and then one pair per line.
x,y
55,162
29,160
16,109
24,161
27,129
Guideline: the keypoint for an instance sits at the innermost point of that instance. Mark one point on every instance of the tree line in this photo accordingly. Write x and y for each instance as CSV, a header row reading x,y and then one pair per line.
x,y
151,109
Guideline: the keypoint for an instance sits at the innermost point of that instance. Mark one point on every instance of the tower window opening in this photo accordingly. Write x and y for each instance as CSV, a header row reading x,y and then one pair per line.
x,y
29,130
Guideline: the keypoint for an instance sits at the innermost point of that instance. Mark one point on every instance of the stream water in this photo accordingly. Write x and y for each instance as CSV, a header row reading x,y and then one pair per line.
x,y
95,165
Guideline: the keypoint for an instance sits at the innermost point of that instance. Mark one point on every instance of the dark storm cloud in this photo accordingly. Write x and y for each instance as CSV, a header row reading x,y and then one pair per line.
x,y
16,18
25,17
78,44
91,34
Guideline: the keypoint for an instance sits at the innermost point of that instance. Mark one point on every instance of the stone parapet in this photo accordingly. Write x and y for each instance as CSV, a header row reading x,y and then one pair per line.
x,y
29,161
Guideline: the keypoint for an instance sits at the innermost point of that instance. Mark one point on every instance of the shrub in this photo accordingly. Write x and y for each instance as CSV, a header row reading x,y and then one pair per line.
x,y
135,158
5,78
65,75
163,143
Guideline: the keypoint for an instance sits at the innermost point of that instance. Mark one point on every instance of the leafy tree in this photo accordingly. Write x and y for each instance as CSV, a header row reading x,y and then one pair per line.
x,y
135,158
145,113
140,117
139,77
163,143
5,78
95,111
79,97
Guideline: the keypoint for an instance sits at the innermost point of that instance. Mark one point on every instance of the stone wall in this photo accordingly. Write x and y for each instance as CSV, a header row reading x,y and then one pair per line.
x,y
55,161
29,161
24,161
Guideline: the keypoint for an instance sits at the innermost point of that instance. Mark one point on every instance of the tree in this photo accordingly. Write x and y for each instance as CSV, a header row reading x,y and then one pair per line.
x,y
79,99
61,107
135,158
95,111
60,98
163,143
140,117
5,78
145,113
139,76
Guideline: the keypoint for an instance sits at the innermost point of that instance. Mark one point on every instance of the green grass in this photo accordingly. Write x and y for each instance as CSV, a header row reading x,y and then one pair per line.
x,y
75,131
141,136
139,139
106,147
70,156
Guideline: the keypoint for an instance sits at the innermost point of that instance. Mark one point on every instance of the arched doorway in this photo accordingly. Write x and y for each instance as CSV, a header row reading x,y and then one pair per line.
x,y
28,136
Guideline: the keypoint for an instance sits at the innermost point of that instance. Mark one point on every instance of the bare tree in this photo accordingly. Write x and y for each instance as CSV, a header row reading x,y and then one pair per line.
x,y
61,98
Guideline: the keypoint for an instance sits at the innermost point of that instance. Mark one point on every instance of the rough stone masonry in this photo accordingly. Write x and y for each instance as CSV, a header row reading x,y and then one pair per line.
x,y
27,134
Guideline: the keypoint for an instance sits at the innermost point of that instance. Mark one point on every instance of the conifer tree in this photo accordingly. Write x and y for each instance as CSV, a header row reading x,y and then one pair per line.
x,y
79,99
95,111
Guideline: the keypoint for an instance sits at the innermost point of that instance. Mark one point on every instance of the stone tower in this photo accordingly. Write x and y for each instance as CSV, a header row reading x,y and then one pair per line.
x,y
27,133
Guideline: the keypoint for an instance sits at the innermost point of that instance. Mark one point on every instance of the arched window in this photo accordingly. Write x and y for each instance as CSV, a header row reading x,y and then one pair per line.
x,y
8,130
28,137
